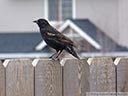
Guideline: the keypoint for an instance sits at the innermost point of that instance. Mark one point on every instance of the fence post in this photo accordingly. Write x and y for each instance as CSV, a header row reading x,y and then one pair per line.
x,y
48,77
122,74
2,80
76,77
102,74
19,77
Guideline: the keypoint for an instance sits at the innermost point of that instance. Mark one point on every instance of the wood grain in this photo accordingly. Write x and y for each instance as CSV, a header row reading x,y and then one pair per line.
x,y
19,78
122,74
102,74
2,80
48,78
76,77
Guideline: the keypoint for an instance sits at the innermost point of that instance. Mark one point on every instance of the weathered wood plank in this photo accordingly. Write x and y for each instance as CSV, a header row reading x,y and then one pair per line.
x,y
19,78
102,74
48,78
122,74
2,80
76,76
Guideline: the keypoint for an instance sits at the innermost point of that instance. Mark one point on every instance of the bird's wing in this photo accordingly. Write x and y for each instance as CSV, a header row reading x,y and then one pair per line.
x,y
60,38
65,40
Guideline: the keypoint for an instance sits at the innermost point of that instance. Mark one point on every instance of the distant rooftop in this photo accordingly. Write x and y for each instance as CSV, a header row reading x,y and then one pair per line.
x,y
19,42
97,34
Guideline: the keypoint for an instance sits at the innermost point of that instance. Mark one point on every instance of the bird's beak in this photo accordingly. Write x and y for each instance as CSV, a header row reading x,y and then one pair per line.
x,y
35,21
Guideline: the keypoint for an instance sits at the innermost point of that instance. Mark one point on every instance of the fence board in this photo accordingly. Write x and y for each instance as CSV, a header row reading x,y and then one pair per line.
x,y
122,74
19,78
2,80
75,78
76,75
48,78
102,74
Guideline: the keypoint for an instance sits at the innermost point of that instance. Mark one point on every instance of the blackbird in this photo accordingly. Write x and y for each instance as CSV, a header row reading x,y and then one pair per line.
x,y
55,39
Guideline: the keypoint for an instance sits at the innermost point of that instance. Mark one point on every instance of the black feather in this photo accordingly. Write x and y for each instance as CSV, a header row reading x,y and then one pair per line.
x,y
71,50
55,39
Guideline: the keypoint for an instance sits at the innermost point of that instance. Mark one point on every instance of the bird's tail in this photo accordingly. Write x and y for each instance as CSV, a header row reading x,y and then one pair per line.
x,y
71,50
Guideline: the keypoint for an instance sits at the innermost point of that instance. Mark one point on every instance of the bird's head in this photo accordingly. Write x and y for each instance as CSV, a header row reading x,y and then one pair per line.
x,y
42,23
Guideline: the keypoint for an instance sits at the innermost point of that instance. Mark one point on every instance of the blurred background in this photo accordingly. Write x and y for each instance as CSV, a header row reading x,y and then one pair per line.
x,y
98,26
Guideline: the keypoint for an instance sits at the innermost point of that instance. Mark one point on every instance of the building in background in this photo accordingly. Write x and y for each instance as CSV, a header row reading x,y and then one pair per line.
x,y
110,16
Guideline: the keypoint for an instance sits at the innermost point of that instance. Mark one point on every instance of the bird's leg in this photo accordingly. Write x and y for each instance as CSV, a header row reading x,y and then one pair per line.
x,y
58,53
53,54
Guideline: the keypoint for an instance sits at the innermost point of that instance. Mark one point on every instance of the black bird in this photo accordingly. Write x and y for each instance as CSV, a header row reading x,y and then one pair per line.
x,y
55,39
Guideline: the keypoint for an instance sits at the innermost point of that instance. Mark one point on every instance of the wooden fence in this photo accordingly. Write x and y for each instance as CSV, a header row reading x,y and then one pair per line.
x,y
43,77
